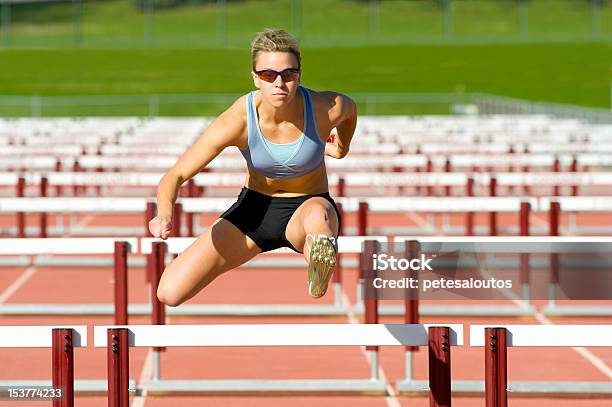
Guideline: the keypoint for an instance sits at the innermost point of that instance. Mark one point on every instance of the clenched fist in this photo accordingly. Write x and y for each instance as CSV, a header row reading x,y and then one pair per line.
x,y
161,226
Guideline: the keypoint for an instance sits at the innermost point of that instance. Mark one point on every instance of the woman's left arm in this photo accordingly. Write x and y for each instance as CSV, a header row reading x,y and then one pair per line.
x,y
343,116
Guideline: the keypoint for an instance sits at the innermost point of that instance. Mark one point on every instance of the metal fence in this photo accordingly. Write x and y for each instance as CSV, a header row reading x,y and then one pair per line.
x,y
221,23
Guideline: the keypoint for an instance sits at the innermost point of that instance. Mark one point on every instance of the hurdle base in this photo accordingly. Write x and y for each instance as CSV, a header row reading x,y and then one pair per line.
x,y
139,261
577,310
454,309
264,310
468,388
417,388
263,387
561,389
190,309
81,387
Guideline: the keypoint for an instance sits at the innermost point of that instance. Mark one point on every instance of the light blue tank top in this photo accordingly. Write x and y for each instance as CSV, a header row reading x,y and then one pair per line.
x,y
284,160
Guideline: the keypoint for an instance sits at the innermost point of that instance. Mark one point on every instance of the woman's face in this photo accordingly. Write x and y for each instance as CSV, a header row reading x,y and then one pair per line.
x,y
274,89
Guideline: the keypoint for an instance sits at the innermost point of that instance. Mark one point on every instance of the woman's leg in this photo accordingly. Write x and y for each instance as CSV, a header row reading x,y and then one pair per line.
x,y
313,229
220,248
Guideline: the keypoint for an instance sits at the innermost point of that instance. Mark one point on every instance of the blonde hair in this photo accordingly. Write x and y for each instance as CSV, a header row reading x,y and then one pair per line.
x,y
274,40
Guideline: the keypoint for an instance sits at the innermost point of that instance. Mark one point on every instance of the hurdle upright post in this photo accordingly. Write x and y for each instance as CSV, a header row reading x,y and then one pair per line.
x,y
496,380
20,192
76,168
411,307
158,256
429,169
191,187
526,168
439,366
556,168
177,219
43,215
362,219
43,187
493,214
341,187
121,292
63,366
149,214
524,257
447,169
511,169
118,364
469,215
58,168
370,300
555,214
574,168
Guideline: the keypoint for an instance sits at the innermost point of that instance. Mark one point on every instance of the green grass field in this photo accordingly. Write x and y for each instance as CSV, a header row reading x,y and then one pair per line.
x,y
407,53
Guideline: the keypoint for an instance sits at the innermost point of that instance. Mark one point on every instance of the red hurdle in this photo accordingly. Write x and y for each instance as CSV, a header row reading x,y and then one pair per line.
x,y
121,291
118,365
439,337
496,380
63,366
20,215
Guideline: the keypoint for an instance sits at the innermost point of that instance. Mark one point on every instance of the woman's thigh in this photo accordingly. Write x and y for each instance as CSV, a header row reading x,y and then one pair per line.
x,y
295,232
220,248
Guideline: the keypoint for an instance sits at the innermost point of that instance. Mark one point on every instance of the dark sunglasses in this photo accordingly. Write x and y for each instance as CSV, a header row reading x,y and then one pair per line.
x,y
269,75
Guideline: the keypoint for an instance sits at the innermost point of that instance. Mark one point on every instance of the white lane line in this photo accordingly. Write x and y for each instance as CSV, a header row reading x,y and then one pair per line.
x,y
18,283
391,399
581,350
543,320
421,222
145,374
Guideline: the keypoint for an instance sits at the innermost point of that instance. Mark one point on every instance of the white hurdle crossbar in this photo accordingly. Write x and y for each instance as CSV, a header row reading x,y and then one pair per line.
x,y
440,338
62,340
118,247
497,338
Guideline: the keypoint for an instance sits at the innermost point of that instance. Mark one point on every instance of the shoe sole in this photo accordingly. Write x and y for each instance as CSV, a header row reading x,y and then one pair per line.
x,y
321,266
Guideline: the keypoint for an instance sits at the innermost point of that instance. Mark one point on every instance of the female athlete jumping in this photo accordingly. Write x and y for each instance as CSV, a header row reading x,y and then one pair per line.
x,y
283,130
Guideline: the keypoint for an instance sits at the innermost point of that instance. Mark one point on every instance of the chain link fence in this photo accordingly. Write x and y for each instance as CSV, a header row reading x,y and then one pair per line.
x,y
320,23
213,104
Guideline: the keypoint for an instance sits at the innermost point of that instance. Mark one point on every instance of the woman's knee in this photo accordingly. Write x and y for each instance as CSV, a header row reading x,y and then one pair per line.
x,y
316,215
168,294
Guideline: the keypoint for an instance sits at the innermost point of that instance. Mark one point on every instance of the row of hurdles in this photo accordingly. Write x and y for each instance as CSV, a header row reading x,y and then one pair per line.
x,y
157,251
187,209
439,338
371,129
573,335
228,161
76,150
469,184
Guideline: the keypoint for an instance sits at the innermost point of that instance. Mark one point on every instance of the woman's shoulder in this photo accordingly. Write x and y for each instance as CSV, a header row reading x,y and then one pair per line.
x,y
321,97
237,110
233,121
330,103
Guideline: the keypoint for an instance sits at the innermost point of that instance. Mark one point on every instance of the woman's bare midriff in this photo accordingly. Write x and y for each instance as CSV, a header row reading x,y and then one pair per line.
x,y
314,182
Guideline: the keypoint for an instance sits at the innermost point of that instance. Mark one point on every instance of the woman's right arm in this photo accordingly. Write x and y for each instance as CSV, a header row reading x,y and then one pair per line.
x,y
226,130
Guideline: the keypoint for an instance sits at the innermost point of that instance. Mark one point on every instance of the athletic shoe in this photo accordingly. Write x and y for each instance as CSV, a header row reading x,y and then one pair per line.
x,y
323,251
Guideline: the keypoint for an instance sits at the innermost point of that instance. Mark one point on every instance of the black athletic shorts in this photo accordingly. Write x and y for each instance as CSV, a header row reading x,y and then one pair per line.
x,y
264,218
